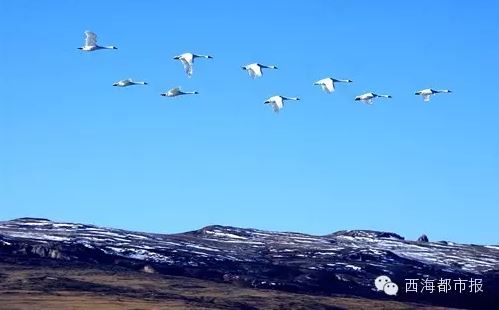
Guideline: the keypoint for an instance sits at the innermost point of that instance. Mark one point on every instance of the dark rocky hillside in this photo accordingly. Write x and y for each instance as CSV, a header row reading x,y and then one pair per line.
x,y
344,263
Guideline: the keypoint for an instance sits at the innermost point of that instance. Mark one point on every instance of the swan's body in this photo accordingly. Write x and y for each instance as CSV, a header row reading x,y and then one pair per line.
x,y
427,93
277,102
327,84
367,98
187,60
91,43
174,92
128,82
255,69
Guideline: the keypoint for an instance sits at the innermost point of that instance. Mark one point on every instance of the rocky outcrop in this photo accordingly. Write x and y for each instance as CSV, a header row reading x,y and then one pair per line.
x,y
423,238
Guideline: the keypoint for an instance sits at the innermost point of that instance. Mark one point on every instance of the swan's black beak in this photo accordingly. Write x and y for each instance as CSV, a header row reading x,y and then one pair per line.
x,y
266,102
115,84
244,68
80,48
357,98
416,93
163,95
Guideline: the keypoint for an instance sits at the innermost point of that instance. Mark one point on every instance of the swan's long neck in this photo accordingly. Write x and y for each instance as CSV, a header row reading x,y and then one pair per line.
x,y
140,83
290,98
110,47
190,92
202,56
344,81
384,96
269,67
442,91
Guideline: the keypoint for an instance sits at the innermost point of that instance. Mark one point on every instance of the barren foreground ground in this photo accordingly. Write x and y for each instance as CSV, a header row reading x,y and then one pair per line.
x,y
81,287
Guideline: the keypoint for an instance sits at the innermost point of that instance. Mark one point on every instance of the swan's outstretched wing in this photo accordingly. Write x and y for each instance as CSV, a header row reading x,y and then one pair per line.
x,y
277,106
90,38
255,71
175,91
328,85
426,98
187,66
251,72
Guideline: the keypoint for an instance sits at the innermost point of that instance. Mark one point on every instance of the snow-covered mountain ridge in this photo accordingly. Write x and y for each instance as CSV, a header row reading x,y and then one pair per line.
x,y
345,262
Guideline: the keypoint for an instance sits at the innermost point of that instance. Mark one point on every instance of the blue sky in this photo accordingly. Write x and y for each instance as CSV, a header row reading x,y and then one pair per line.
x,y
74,148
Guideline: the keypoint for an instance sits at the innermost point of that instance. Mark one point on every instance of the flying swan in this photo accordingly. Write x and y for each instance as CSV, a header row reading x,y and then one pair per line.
x,y
187,60
255,69
327,84
91,43
277,102
174,92
128,82
427,93
367,98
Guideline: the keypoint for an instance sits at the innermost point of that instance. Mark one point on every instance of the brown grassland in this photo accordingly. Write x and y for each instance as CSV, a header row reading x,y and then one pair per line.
x,y
73,287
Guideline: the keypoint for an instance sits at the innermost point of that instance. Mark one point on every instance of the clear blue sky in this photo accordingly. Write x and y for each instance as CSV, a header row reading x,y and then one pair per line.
x,y
74,148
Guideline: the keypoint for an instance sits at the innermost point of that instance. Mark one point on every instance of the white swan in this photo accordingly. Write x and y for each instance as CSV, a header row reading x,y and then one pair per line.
x,y
128,82
427,93
255,69
174,92
327,84
187,60
91,43
368,97
277,102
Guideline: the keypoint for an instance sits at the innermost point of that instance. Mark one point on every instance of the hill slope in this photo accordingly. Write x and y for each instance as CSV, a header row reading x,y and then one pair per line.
x,y
344,263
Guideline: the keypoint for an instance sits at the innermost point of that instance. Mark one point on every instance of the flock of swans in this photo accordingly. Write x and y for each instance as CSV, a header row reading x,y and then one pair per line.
x,y
255,70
